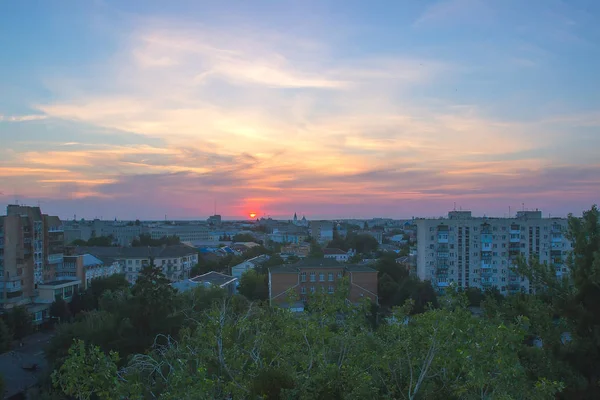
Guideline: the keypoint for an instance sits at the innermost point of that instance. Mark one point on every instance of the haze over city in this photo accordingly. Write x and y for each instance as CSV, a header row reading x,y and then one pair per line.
x,y
328,109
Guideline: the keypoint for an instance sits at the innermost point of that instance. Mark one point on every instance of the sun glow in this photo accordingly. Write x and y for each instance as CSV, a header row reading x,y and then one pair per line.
x,y
252,215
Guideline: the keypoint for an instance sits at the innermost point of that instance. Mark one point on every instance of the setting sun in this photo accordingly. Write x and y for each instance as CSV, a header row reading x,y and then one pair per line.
x,y
252,215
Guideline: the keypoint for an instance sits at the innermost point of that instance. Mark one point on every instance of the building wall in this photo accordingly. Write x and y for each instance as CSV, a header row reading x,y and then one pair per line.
x,y
279,284
363,285
174,268
478,252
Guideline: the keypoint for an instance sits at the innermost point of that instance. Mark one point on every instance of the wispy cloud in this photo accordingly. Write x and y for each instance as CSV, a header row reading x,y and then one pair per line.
x,y
21,118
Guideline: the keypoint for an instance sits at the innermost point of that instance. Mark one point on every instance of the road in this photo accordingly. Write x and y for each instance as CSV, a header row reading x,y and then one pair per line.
x,y
16,378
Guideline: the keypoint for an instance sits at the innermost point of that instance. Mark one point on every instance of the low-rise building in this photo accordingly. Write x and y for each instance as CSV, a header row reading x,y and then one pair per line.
x,y
86,267
337,254
238,270
210,279
299,250
320,274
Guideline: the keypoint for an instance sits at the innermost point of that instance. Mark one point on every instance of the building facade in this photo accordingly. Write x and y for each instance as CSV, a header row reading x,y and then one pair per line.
x,y
175,261
31,260
478,252
321,231
337,254
323,275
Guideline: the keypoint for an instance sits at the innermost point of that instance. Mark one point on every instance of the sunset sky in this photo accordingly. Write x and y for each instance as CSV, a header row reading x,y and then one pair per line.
x,y
331,109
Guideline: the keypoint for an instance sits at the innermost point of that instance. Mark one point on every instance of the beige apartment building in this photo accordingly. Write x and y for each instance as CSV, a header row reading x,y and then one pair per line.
x,y
31,259
477,252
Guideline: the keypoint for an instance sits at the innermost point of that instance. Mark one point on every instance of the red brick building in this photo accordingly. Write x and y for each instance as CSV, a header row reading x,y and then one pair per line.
x,y
320,274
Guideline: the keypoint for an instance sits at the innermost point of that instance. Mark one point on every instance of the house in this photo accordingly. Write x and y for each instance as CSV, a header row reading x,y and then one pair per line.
x,y
86,267
238,270
322,274
210,279
336,254
243,246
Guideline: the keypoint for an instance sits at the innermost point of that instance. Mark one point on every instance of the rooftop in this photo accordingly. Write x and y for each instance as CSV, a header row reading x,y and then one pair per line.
x,y
179,250
214,278
319,263
330,251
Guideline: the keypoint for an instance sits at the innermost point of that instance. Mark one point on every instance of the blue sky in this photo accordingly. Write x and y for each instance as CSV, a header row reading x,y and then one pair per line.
x,y
137,109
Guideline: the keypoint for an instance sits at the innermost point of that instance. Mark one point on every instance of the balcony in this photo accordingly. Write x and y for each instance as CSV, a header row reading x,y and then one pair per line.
x,y
56,229
487,282
442,237
556,238
55,258
486,264
442,284
486,247
443,254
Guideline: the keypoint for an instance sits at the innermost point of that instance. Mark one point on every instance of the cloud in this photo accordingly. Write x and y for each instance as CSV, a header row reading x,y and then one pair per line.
x,y
21,118
453,11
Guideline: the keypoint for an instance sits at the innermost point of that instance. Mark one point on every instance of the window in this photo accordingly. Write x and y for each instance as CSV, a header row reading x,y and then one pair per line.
x,y
303,290
312,277
321,277
330,289
312,289
330,277
339,275
137,262
303,277
129,262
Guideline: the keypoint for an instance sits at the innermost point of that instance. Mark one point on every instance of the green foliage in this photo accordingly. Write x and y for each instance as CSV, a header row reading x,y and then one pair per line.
x,y
98,241
254,286
315,250
362,243
60,309
5,338
146,240
88,373
19,322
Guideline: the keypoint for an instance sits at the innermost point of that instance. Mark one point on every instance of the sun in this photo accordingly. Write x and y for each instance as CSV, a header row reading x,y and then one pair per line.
x,y
252,215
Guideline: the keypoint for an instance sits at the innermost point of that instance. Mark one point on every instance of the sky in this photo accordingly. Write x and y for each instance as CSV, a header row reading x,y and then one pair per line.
x,y
331,109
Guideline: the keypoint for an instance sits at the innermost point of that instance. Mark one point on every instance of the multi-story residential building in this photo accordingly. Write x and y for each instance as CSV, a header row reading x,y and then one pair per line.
x,y
31,255
478,252
321,231
208,280
175,261
86,267
320,274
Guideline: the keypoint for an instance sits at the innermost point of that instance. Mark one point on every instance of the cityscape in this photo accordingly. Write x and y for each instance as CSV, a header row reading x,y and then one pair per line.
x,y
299,200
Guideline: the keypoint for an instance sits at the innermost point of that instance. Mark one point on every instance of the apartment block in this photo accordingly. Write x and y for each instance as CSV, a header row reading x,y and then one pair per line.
x,y
186,233
321,231
320,274
31,260
175,261
478,252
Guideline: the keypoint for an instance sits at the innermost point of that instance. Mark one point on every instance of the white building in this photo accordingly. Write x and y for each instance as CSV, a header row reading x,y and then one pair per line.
x,y
477,252
186,233
238,270
337,254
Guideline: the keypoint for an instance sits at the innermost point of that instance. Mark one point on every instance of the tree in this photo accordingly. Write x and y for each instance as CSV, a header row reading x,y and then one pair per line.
x,y
19,322
60,309
101,241
146,240
315,250
154,299
572,304
5,338
254,285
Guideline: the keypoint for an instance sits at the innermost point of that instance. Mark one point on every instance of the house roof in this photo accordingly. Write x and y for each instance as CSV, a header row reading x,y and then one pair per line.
x,y
360,268
213,277
89,260
332,251
179,250
318,263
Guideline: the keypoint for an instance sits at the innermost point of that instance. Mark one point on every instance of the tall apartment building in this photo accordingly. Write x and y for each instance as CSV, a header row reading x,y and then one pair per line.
x,y
478,252
31,259
321,231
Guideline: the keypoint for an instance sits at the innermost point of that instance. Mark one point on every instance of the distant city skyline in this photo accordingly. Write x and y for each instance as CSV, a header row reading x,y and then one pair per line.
x,y
331,109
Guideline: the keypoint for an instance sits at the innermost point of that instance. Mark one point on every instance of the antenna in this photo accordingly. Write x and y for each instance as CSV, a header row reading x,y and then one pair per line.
x,y
523,205
508,211
215,207
454,206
